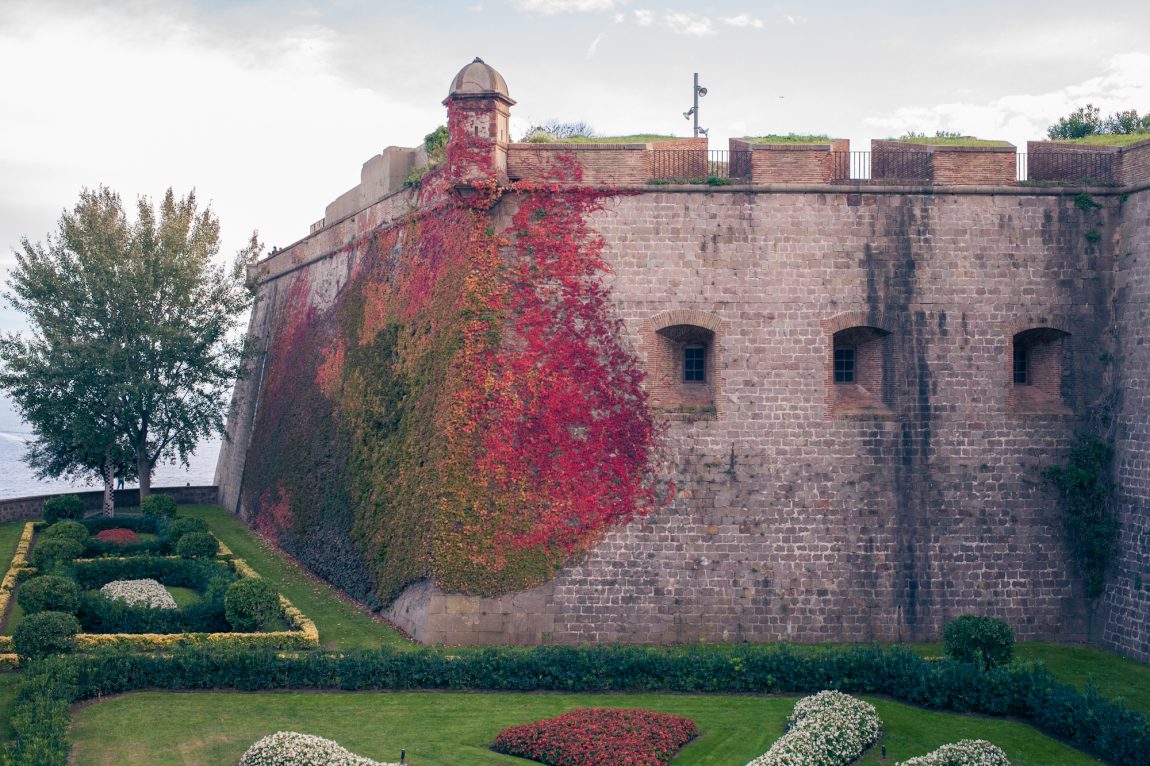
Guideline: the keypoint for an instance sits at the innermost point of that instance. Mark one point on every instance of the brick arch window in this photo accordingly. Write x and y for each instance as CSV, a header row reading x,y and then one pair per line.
x,y
1037,369
683,353
858,369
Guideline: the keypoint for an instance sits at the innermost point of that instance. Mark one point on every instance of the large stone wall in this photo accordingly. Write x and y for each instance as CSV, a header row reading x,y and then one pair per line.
x,y
1128,627
796,519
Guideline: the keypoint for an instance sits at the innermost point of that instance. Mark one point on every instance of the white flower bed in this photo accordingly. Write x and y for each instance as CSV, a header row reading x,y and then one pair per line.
x,y
147,592
290,748
968,752
826,729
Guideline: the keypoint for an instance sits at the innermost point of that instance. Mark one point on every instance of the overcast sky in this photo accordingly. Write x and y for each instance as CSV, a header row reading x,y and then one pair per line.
x,y
269,107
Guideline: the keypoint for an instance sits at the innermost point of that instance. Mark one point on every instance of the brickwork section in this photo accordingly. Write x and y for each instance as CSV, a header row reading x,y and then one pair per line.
x,y
791,526
601,163
791,163
1128,628
1058,162
944,165
1136,163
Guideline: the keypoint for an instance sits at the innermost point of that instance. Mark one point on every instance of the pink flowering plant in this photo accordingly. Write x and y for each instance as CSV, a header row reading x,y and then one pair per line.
x,y
595,736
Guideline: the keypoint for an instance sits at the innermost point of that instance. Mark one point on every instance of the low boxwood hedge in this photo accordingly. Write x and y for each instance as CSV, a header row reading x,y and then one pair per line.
x,y
183,573
1113,732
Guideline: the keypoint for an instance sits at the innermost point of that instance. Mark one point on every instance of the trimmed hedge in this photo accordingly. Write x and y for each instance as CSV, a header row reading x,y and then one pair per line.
x,y
182,573
1115,733
63,507
55,553
149,524
45,633
159,505
987,641
49,593
198,545
66,530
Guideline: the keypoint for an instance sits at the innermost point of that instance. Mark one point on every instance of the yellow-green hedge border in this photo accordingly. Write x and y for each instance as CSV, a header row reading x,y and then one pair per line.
x,y
304,635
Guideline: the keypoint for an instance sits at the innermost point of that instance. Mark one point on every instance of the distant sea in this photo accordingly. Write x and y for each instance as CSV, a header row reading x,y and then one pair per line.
x,y
17,479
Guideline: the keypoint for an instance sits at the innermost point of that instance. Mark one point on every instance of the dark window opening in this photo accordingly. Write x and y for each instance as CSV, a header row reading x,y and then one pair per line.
x,y
844,365
1021,366
694,364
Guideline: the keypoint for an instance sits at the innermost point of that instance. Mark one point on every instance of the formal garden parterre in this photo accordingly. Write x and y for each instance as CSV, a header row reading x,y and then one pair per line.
x,y
986,684
119,589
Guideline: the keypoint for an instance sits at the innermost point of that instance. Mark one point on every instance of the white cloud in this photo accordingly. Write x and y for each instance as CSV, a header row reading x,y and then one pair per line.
x,y
595,44
684,23
618,18
552,7
644,17
1021,117
796,19
743,20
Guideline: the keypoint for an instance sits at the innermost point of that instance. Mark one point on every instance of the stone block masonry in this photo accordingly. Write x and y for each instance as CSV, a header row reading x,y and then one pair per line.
x,y
859,384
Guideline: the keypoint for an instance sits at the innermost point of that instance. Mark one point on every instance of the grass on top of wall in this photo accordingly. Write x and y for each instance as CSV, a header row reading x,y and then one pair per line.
x,y
1108,139
447,729
342,624
790,138
951,141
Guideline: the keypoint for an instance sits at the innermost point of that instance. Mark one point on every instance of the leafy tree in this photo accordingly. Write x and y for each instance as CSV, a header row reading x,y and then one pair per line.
x,y
132,347
1088,121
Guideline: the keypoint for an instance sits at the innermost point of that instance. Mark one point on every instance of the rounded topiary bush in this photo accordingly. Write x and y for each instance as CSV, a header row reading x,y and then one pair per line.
x,y
183,526
158,505
55,552
986,641
197,545
251,604
49,593
45,633
66,530
63,507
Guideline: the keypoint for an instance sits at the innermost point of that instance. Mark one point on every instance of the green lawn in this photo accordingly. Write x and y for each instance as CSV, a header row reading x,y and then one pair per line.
x,y
342,625
183,596
951,141
449,729
1108,139
790,138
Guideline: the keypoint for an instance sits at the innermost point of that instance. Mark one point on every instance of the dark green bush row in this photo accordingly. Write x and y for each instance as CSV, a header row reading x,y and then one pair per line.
x,y
99,614
149,524
182,573
1118,735
94,548
63,507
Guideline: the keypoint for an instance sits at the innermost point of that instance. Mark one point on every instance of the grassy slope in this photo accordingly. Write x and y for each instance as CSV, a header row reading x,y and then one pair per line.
x,y
341,625
790,138
9,536
1109,139
437,729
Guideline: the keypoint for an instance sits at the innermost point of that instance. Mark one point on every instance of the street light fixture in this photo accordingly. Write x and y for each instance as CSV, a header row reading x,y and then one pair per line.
x,y
697,92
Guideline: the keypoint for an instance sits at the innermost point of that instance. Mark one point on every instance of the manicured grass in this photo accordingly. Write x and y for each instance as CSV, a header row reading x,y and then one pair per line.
x,y
8,684
952,141
448,729
342,625
1113,676
183,596
1108,139
10,532
790,138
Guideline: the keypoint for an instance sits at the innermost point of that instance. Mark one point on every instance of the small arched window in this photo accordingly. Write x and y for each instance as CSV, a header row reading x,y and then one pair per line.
x,y
1038,370
858,371
684,379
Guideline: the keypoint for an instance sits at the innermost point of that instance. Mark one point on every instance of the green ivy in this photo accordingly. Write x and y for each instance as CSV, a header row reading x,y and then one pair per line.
x,y
1089,517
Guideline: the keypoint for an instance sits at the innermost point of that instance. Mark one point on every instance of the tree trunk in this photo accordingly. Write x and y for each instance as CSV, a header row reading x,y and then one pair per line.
x,y
109,507
144,468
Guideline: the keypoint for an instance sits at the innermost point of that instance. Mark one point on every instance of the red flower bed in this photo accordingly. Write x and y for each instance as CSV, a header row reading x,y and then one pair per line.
x,y
599,737
119,536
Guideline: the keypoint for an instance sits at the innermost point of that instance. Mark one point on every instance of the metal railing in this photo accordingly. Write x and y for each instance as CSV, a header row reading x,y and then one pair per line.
x,y
700,165
1047,167
1068,167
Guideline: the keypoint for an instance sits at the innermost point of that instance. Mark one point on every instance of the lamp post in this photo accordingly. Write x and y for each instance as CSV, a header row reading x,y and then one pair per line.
x,y
697,92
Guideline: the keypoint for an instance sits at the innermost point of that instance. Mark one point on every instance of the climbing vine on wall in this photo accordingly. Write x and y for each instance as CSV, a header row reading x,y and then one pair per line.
x,y
465,409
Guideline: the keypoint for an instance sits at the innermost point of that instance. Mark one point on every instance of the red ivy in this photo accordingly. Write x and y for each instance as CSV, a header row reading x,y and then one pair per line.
x,y
119,536
599,737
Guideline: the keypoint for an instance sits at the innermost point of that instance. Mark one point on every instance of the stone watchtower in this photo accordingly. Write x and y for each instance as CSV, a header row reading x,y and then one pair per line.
x,y
478,111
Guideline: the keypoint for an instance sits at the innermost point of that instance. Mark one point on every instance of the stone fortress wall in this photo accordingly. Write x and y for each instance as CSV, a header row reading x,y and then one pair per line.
x,y
810,510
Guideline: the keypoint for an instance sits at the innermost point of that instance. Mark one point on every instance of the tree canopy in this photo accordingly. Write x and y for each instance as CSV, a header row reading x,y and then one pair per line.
x,y
132,346
1088,121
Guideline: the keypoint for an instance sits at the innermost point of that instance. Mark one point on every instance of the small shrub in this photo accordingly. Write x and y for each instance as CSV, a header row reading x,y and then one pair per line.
x,y
295,749
158,505
49,593
967,752
182,526
63,507
45,633
985,641
251,604
197,545
119,536
53,553
66,530
599,735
